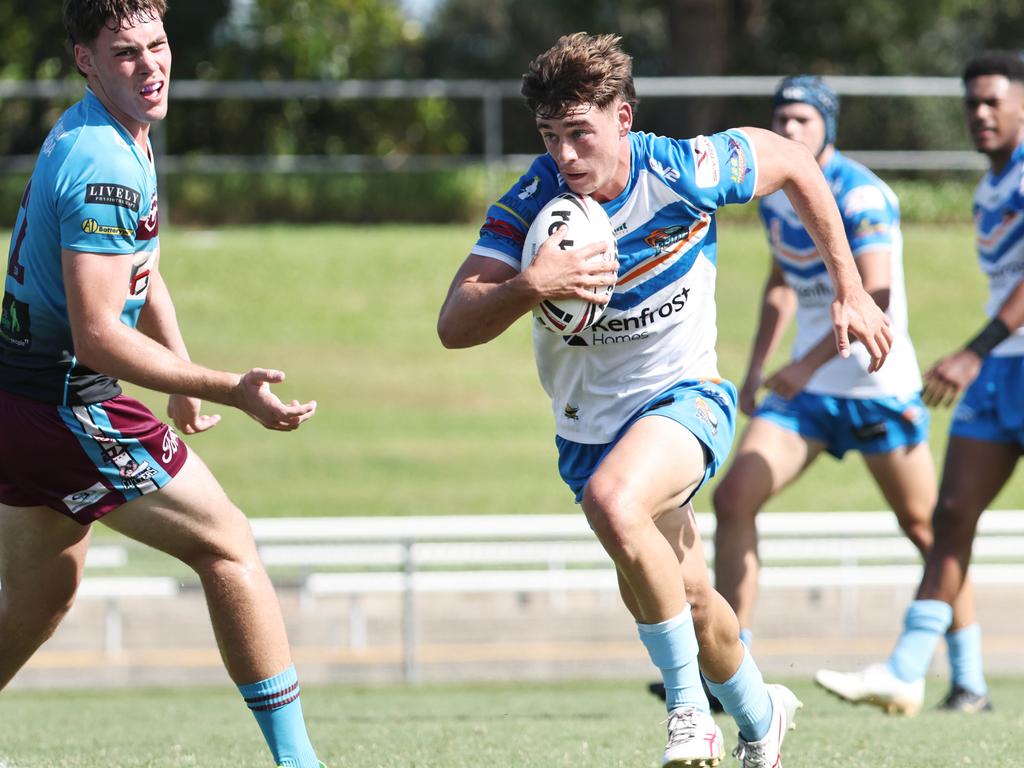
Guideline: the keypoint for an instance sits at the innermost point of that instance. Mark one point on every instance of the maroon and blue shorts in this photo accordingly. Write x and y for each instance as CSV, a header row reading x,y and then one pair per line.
x,y
83,460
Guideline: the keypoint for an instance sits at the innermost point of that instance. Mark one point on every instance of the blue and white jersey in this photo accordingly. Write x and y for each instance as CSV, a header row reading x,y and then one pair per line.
x,y
999,221
659,327
93,190
871,219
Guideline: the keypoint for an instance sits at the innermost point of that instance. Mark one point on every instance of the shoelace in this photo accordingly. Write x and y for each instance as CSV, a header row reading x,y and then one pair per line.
x,y
682,725
752,754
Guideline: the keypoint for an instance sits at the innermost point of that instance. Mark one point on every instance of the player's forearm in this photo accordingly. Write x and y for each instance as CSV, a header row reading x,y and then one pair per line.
x,y
1012,310
823,351
776,313
124,353
475,313
159,321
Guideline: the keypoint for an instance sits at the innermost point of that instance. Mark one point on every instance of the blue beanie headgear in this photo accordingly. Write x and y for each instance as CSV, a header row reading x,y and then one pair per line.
x,y
810,89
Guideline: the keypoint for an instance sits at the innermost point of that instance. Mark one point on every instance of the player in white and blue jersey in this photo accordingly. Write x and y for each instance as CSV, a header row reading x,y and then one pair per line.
x,y
85,305
642,417
987,433
821,403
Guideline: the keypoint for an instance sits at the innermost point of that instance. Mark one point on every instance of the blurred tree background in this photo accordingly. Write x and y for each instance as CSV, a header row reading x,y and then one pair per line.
x,y
494,39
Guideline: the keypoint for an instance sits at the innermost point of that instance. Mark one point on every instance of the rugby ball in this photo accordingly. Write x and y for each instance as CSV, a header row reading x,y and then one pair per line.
x,y
586,223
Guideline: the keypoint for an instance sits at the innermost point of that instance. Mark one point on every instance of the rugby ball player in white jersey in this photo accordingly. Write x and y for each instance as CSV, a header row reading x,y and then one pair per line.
x,y
642,418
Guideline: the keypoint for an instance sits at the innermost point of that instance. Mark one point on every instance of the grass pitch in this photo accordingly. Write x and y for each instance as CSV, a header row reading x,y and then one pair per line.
x,y
549,725
407,427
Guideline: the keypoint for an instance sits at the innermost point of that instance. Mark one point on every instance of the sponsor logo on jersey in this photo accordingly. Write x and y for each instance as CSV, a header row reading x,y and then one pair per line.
x,y
571,412
622,329
816,290
863,198
15,323
667,172
705,162
113,194
93,227
79,500
737,161
56,134
530,188
503,230
149,225
621,229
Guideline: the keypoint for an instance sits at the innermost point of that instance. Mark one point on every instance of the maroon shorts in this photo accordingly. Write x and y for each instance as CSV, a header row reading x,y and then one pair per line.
x,y
83,460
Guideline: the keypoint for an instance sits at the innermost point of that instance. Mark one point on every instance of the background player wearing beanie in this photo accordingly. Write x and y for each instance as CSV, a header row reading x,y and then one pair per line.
x,y
987,434
822,403
643,419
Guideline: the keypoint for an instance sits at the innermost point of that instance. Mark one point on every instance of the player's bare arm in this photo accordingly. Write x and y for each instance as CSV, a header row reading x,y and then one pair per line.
x,y
790,166
487,296
950,376
95,289
778,304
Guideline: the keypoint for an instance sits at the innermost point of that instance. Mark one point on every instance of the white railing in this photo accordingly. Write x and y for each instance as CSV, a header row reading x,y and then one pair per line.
x,y
492,96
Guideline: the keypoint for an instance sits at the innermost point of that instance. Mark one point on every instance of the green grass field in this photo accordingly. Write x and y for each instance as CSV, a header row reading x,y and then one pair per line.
x,y
544,725
407,427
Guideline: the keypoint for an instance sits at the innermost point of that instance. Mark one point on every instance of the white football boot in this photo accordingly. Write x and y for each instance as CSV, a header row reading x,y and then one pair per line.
x,y
767,752
874,685
694,740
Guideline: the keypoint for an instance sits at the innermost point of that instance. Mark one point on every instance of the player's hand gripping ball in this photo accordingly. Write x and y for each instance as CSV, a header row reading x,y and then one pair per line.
x,y
586,222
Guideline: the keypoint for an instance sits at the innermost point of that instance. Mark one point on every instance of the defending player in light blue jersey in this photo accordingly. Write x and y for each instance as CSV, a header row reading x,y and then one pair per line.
x,y
85,305
822,403
642,418
987,433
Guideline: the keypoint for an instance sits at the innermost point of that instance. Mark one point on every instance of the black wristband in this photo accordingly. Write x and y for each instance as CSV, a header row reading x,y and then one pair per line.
x,y
989,338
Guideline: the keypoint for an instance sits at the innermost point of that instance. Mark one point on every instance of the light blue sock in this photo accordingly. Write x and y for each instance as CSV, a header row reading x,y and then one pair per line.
x,y
745,697
965,658
672,646
275,703
924,623
746,637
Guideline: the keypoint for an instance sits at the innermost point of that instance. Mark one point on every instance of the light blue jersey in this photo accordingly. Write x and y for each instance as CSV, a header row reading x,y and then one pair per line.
x,y
659,328
871,219
999,220
93,190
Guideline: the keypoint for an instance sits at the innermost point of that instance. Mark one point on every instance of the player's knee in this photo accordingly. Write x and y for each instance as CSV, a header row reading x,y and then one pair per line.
x,y
732,503
953,524
615,519
40,603
920,534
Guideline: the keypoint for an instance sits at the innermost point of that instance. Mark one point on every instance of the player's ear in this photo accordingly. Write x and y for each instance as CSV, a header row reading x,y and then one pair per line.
x,y
83,58
625,117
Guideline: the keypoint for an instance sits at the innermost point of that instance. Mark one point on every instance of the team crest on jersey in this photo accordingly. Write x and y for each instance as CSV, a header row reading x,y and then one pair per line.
x,y
571,412
737,161
705,162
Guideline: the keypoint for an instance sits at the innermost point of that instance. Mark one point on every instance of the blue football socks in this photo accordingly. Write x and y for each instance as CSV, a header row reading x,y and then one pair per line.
x,y
924,624
275,703
965,658
672,646
745,697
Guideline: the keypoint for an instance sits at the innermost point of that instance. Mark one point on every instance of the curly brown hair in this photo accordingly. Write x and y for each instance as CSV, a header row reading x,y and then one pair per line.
x,y
579,69
83,19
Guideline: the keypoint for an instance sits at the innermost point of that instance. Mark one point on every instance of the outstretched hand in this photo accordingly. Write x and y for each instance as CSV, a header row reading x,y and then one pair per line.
x,y
253,396
858,316
184,412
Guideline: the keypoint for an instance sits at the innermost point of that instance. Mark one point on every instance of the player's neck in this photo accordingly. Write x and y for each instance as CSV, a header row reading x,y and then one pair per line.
x,y
999,159
139,131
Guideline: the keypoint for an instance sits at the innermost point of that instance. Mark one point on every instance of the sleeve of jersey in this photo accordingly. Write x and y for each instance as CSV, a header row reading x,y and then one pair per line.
x,y
508,220
99,205
719,169
869,219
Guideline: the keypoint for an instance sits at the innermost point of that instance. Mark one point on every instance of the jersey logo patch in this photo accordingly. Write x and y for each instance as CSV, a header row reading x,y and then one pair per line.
x,y
93,227
705,162
15,325
667,172
113,194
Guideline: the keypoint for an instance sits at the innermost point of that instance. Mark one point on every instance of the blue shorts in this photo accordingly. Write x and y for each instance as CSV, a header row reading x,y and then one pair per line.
x,y
992,408
868,425
706,408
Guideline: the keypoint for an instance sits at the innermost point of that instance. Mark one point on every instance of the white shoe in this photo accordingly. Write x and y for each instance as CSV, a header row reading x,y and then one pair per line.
x,y
874,685
694,740
767,752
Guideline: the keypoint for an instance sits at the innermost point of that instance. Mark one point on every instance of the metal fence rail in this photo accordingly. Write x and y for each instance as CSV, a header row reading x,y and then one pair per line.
x,y
492,94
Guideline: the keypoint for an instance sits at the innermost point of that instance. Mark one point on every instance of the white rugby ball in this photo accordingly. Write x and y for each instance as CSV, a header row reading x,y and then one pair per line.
x,y
586,223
